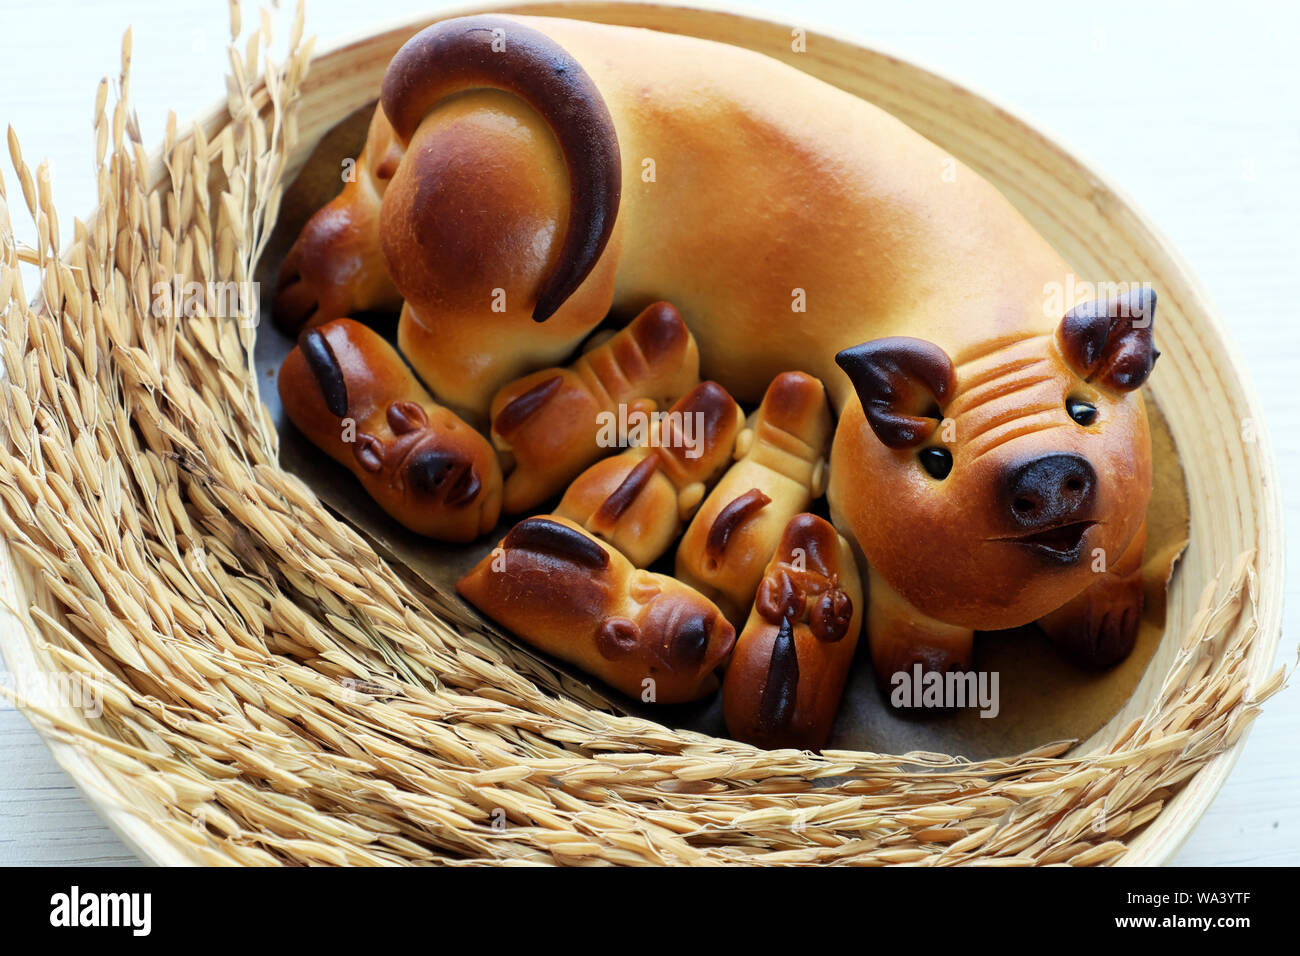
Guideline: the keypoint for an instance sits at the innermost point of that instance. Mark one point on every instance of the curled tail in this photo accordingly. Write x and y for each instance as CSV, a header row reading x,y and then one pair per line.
x,y
493,52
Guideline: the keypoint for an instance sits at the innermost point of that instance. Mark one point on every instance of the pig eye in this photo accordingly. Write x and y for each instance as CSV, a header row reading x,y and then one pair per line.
x,y
937,462
1082,412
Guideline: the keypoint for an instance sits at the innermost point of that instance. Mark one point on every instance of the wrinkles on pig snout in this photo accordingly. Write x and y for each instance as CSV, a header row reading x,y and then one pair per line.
x,y
1012,391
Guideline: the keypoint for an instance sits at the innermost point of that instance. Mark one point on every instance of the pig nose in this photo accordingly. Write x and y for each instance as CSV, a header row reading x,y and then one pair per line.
x,y
1050,490
434,472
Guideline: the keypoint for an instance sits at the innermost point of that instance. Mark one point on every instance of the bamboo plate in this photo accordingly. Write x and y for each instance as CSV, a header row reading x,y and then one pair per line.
x,y
1211,408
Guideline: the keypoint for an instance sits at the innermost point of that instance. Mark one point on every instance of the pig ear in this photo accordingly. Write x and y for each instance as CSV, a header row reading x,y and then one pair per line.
x,y
558,541
1109,341
902,383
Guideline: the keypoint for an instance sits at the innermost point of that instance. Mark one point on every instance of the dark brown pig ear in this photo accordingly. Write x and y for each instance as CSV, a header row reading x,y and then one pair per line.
x,y
1109,341
326,370
546,537
903,384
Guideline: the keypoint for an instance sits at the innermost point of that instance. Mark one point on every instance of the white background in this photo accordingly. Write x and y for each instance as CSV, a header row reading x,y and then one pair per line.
x,y
1193,109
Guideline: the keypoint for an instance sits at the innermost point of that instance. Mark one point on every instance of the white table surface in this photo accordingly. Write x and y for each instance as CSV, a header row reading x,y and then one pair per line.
x,y
1193,109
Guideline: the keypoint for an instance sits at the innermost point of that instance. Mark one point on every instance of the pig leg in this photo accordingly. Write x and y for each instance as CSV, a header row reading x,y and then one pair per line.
x,y
901,637
336,268
1099,627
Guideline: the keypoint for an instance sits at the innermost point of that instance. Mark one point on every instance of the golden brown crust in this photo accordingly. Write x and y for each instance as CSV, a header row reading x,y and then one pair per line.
x,y
550,423
698,436
912,249
496,52
902,638
482,202
1007,417
791,661
638,500
335,267
622,497
778,475
483,184
1098,628
627,502
733,515
349,392
647,635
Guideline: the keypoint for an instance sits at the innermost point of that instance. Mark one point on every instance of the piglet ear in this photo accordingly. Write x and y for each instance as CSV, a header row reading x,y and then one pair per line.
x,y
902,383
1109,341
558,541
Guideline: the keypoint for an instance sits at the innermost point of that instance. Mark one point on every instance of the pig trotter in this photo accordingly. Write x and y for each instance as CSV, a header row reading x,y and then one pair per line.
x,y
901,637
1098,628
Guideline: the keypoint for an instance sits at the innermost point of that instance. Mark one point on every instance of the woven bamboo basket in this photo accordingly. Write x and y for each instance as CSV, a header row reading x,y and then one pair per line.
x,y
271,690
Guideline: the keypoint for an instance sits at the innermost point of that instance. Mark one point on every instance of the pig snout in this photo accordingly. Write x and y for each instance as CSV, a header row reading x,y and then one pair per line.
x,y
1050,490
433,472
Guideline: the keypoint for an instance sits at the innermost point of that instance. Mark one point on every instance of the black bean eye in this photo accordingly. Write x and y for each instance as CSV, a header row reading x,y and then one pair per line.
x,y
937,462
1082,412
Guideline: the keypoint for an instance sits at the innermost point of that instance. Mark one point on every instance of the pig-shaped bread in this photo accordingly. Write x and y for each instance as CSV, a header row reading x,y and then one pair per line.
x,y
349,392
789,666
991,489
648,635
638,500
780,470
549,424
991,460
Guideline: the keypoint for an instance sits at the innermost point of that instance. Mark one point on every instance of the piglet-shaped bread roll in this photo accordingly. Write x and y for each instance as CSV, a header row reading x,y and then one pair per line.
x,y
647,635
781,468
549,423
336,267
637,501
788,670
351,394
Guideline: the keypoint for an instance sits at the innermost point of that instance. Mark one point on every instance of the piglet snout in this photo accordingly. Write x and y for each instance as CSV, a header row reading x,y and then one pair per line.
x,y
434,472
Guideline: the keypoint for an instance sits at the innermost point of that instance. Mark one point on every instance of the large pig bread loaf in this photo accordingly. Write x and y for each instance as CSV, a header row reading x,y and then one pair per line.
x,y
647,635
349,392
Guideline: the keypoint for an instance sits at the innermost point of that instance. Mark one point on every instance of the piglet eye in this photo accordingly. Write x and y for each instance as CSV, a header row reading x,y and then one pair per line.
x,y
1082,412
937,462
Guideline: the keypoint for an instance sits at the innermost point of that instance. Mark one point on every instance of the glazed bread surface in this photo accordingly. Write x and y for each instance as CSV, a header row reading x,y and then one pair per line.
x,y
349,392
638,500
791,661
573,596
549,424
780,469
